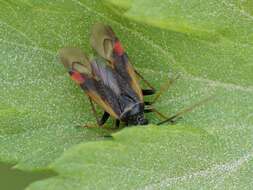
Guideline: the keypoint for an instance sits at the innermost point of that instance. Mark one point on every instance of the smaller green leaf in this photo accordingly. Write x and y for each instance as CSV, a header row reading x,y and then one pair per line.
x,y
49,146
214,19
144,158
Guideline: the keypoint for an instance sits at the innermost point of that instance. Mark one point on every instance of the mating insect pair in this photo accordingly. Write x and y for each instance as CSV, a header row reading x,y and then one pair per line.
x,y
110,81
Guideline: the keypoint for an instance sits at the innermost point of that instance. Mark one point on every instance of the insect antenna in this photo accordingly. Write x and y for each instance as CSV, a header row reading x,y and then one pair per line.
x,y
186,110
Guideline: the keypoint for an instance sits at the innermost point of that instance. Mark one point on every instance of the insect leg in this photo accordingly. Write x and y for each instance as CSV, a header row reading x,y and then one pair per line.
x,y
104,118
94,110
164,88
148,110
146,92
147,103
117,122
144,80
152,90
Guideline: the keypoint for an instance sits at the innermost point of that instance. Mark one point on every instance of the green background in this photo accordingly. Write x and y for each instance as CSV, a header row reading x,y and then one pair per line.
x,y
209,44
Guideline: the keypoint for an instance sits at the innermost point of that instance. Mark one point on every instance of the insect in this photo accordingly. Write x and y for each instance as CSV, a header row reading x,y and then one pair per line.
x,y
110,80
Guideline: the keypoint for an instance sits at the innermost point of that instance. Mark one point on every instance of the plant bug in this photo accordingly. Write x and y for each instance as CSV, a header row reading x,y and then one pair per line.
x,y
111,81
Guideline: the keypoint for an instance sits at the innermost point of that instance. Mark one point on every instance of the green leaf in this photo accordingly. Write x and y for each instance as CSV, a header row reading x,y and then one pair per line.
x,y
148,158
208,43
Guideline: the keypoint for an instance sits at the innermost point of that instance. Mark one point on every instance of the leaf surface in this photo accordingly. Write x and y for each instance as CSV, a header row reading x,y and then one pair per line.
x,y
210,44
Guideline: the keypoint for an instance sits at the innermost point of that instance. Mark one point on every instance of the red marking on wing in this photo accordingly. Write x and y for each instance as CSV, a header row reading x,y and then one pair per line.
x,y
118,49
77,77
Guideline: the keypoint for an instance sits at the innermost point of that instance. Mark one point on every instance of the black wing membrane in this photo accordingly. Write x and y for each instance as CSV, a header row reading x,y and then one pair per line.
x,y
106,75
107,45
97,81
124,94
